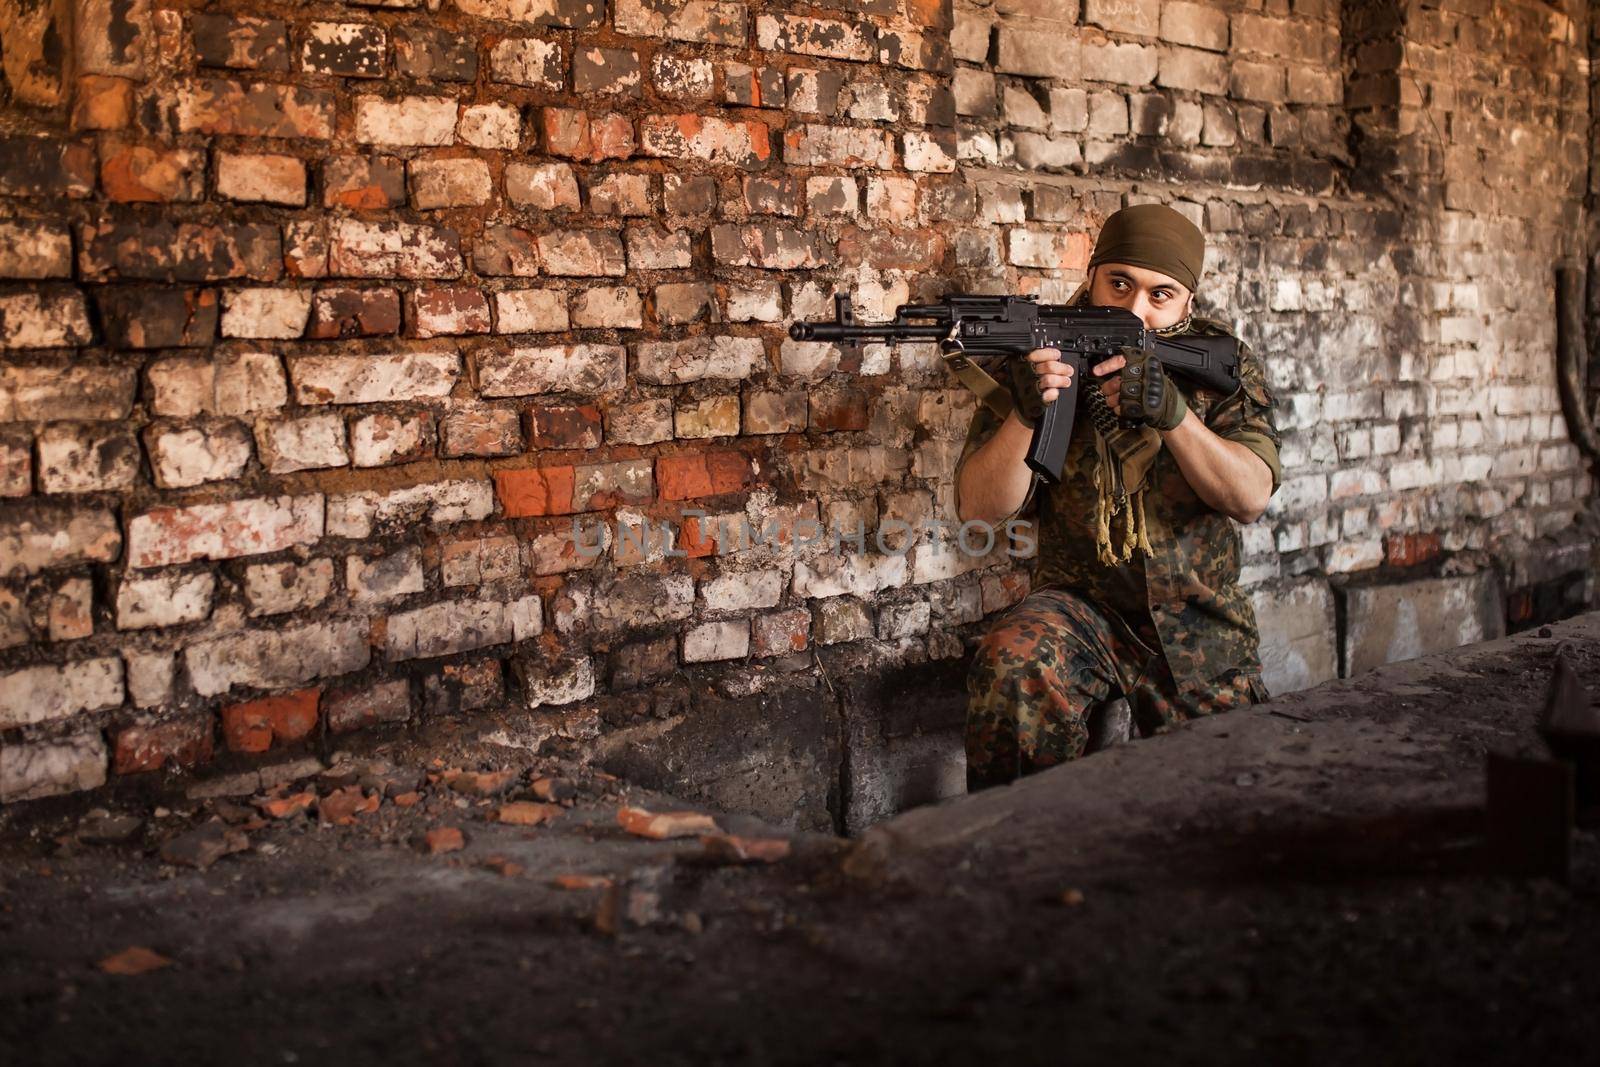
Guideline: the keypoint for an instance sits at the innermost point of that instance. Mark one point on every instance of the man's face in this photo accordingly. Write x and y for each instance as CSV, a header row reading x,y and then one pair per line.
x,y
1157,299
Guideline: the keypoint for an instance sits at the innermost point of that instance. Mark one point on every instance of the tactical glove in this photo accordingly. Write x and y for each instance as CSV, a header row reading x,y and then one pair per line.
x,y
1148,395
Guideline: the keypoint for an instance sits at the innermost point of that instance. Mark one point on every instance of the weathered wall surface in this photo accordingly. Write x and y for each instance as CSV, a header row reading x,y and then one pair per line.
x,y
1387,188
320,324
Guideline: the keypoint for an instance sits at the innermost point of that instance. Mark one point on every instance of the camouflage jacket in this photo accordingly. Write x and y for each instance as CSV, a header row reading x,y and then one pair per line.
x,y
1188,591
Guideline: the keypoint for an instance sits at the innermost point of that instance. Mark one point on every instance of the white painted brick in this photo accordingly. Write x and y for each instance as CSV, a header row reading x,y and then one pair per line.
x,y
449,627
439,503
276,588
86,458
531,311
584,369
860,575
411,120
376,440
164,600
308,443
376,581
265,313
29,770
741,591
374,379
237,383
556,684
48,693
897,621
711,641
167,536
149,677
181,457
490,126
279,657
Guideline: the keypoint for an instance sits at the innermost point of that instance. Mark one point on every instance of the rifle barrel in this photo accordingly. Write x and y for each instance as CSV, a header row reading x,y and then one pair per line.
x,y
887,331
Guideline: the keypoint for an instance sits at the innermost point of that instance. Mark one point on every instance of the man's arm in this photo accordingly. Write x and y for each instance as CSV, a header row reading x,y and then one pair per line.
x,y
994,480
1226,475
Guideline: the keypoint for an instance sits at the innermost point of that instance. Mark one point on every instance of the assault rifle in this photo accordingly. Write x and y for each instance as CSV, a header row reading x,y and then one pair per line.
x,y
980,333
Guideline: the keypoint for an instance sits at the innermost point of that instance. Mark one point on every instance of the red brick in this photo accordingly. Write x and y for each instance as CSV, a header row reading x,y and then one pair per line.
x,y
1410,550
664,825
611,136
481,432
780,633
448,312
578,135
363,183
444,839
181,742
696,542
682,477
577,426
255,109
342,312
284,807
42,166
730,471
240,43
1520,607
139,317
253,725
137,174
102,103
341,807
528,813
703,474
884,248
163,250
539,491
730,848
838,411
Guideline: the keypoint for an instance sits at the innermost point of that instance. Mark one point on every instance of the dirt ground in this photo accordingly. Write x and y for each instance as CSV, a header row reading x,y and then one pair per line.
x,y
1304,882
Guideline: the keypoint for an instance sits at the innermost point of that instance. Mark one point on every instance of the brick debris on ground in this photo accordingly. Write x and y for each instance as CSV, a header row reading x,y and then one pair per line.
x,y
1302,882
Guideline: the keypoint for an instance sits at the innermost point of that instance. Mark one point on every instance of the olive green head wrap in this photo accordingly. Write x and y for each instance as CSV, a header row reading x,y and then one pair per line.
x,y
1155,237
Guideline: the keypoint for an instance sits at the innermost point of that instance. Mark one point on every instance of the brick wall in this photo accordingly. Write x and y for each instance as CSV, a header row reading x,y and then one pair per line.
x,y
321,324
1386,188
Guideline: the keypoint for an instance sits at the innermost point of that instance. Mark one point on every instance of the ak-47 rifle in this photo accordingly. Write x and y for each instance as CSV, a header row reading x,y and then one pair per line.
x,y
973,331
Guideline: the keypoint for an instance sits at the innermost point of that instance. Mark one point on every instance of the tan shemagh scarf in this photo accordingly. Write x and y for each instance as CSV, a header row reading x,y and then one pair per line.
x,y
1120,476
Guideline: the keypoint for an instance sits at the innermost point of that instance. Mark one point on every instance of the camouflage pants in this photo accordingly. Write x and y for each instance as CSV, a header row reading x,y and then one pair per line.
x,y
1049,663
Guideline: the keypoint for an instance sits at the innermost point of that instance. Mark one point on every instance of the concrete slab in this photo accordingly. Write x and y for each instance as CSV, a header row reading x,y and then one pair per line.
x,y
1299,636
1390,623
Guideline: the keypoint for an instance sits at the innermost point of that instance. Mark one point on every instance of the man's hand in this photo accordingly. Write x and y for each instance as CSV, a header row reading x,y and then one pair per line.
x,y
1110,387
1160,405
1053,374
1148,395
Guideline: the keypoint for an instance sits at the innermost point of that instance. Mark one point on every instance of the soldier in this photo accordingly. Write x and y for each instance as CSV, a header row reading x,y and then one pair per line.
x,y
1136,593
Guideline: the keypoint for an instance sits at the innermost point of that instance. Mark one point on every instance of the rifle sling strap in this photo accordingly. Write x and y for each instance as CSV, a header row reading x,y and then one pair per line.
x,y
990,393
